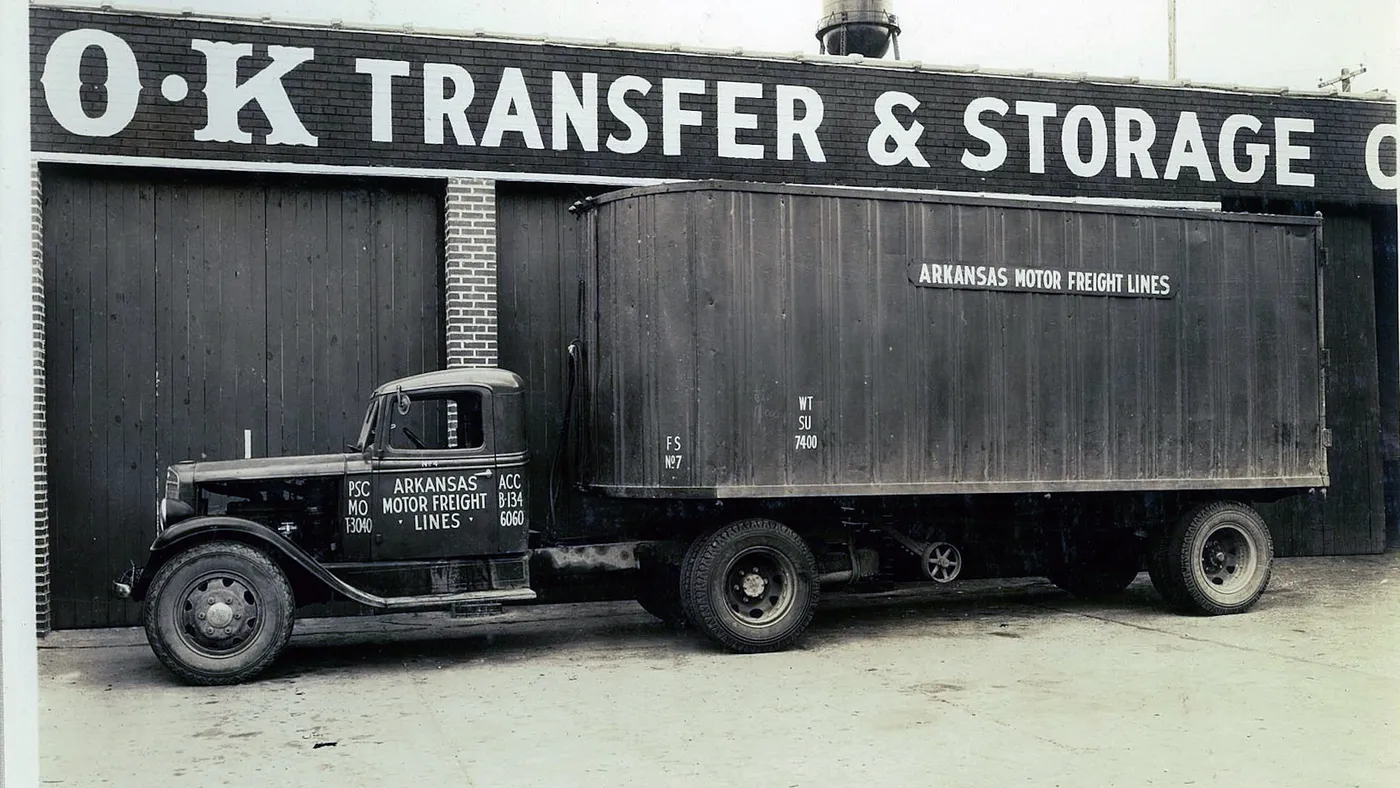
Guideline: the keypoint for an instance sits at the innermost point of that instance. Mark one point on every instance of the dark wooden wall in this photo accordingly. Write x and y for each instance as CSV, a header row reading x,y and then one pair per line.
x,y
1383,246
537,299
182,311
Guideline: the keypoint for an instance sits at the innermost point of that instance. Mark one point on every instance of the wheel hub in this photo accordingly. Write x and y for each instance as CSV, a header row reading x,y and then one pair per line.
x,y
220,614
753,584
759,587
1226,559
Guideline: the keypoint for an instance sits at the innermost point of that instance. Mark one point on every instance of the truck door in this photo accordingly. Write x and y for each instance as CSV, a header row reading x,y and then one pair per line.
x,y
434,483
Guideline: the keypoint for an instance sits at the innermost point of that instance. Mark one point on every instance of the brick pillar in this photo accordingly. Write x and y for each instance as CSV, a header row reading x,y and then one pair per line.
x,y
41,445
471,272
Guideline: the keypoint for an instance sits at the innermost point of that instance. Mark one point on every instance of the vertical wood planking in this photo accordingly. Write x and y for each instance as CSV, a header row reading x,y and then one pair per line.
x,y
182,312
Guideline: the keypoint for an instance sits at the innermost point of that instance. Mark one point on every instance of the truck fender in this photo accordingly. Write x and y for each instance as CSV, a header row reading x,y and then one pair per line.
x,y
196,530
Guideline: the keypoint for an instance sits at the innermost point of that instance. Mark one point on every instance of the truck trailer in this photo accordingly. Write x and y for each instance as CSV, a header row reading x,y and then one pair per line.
x,y
779,389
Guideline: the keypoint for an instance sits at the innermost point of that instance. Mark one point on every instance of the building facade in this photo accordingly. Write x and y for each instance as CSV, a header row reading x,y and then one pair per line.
x,y
246,225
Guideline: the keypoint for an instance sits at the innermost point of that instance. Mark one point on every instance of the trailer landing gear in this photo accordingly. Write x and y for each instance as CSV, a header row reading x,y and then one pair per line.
x,y
941,562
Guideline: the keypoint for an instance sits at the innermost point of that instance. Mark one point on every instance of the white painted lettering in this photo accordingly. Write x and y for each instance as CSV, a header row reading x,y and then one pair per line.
x,y
1035,113
63,84
1257,152
673,117
579,110
1287,152
790,127
890,130
1379,178
1127,148
437,105
381,93
512,111
617,104
226,97
729,119
996,144
1098,140
1188,150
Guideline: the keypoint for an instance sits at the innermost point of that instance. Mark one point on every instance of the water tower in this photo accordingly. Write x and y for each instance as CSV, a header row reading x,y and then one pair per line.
x,y
858,27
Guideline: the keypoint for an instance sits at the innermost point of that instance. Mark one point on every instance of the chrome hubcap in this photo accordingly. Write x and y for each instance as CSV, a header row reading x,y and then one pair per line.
x,y
219,614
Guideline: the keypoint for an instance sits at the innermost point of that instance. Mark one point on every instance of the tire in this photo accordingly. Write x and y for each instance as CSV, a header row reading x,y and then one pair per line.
x,y
1098,565
218,582
1217,559
746,611
1160,572
659,593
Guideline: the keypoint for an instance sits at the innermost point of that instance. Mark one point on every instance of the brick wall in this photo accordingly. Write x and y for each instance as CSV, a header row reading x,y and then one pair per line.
x,y
471,272
41,448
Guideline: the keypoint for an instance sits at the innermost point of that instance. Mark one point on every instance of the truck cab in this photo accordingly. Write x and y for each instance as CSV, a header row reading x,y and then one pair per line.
x,y
427,509
440,470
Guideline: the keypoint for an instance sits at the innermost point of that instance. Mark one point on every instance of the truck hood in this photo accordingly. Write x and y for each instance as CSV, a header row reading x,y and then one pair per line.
x,y
264,468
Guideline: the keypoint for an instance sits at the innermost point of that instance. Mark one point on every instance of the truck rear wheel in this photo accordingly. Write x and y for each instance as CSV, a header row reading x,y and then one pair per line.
x,y
218,613
1216,560
659,591
750,586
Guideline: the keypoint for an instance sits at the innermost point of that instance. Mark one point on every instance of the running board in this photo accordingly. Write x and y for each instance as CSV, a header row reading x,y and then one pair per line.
x,y
446,600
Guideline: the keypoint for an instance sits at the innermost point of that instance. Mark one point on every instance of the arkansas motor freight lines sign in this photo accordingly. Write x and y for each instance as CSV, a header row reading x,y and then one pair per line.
x,y
179,88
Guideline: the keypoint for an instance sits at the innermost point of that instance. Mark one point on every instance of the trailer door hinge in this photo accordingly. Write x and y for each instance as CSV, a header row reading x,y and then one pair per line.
x,y
1325,356
1322,258
1326,438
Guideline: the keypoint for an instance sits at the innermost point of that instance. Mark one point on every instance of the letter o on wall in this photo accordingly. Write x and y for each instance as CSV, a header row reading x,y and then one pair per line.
x,y
63,83
1379,178
1069,140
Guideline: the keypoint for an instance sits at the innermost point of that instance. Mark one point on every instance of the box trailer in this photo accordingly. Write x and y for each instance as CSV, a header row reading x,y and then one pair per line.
x,y
778,389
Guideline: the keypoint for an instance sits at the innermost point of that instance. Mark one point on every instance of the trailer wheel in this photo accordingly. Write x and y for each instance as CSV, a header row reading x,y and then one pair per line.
x,y
750,586
218,613
1217,559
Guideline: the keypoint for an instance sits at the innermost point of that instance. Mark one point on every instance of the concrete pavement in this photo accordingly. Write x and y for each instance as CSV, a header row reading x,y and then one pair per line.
x,y
982,684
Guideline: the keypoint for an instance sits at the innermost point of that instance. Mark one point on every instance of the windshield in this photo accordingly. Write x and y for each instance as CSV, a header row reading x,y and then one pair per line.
x,y
367,429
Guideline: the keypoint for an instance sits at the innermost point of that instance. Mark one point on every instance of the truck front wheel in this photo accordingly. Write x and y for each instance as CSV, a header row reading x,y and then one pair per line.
x,y
750,586
1216,560
218,613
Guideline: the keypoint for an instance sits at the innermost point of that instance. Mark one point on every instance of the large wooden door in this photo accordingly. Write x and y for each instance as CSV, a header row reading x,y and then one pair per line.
x,y
187,317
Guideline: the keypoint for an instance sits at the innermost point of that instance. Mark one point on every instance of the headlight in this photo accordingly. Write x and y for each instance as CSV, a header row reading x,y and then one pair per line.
x,y
172,511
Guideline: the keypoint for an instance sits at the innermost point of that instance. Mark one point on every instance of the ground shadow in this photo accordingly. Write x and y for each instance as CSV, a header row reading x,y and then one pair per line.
x,y
842,618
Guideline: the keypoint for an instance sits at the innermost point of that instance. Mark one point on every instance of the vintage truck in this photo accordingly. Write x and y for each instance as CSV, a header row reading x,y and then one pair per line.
x,y
777,389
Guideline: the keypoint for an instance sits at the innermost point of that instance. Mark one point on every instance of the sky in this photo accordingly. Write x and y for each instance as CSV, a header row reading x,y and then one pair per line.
x,y
1254,43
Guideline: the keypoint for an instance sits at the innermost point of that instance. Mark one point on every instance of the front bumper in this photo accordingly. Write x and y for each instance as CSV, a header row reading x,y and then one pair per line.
x,y
121,587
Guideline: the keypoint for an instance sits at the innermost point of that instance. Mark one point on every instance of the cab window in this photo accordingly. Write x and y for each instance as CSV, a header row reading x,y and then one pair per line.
x,y
366,437
435,421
